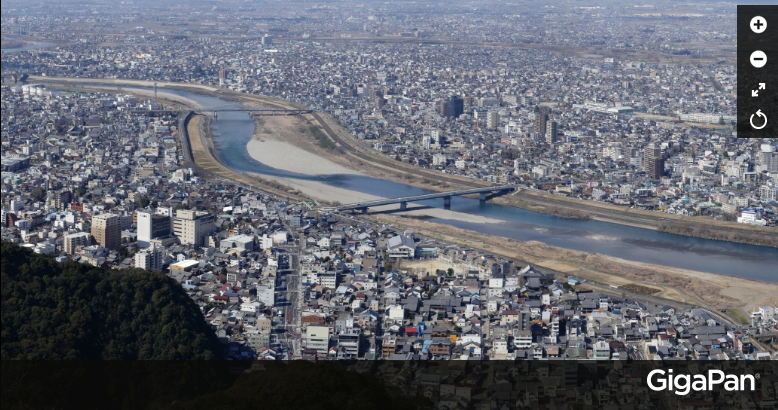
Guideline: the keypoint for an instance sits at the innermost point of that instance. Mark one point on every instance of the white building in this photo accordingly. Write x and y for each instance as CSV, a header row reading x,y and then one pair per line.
x,y
150,258
439,159
75,240
265,242
317,337
193,227
401,246
266,295
701,118
280,237
151,226
396,312
602,350
751,217
237,242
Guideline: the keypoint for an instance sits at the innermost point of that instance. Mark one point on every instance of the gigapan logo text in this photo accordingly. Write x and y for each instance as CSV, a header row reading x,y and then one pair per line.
x,y
683,384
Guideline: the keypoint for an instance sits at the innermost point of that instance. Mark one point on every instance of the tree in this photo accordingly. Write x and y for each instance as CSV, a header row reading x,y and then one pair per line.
x,y
123,252
450,271
143,201
38,193
87,313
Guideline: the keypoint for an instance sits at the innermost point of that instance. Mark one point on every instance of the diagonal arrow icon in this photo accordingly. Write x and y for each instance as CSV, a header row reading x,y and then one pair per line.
x,y
762,86
755,93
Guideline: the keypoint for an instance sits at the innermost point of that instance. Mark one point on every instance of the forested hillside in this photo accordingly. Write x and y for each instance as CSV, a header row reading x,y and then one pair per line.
x,y
69,310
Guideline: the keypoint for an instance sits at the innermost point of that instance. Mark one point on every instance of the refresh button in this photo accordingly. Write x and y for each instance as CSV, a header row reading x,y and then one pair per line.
x,y
759,113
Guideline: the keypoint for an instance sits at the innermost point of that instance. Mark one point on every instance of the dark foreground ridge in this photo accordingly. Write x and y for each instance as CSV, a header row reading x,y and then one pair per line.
x,y
69,310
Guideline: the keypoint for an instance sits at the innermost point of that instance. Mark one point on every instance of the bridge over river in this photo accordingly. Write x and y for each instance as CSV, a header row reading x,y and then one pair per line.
x,y
403,201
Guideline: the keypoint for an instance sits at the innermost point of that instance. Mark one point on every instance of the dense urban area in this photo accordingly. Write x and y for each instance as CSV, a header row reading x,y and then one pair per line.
x,y
637,111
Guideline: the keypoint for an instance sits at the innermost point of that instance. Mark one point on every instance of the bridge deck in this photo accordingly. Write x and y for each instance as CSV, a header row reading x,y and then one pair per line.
x,y
389,201
253,110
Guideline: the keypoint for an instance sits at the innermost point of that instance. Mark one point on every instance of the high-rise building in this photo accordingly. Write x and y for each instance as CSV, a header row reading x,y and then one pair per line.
x,y
75,240
767,159
59,199
653,162
492,119
452,107
151,226
107,230
193,227
551,132
541,119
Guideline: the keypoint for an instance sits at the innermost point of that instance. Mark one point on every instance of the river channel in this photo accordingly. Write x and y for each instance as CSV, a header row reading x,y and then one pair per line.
x,y
33,45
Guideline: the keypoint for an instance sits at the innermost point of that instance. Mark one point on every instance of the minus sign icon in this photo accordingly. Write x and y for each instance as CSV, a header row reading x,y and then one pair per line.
x,y
759,59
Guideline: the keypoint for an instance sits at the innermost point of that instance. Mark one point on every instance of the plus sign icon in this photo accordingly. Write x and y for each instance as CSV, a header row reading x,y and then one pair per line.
x,y
758,24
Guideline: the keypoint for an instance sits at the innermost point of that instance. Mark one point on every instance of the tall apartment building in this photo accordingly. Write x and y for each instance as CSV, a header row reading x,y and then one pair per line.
x,y
151,226
653,162
767,159
541,118
59,199
75,240
492,119
107,230
193,227
452,107
551,132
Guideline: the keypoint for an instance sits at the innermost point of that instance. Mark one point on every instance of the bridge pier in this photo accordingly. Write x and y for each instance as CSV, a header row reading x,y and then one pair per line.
x,y
364,211
446,202
482,197
403,206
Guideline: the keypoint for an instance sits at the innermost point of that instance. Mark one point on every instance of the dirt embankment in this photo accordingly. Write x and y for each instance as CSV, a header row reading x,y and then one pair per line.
x,y
721,233
700,227
671,283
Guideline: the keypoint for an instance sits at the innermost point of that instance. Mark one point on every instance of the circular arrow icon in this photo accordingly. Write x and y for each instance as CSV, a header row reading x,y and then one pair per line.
x,y
759,113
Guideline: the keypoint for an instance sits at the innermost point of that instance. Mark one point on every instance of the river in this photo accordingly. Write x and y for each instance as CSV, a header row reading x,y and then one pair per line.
x,y
233,130
31,46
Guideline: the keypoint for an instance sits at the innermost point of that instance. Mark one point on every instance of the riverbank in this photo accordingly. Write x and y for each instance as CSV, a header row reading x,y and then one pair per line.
x,y
681,285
